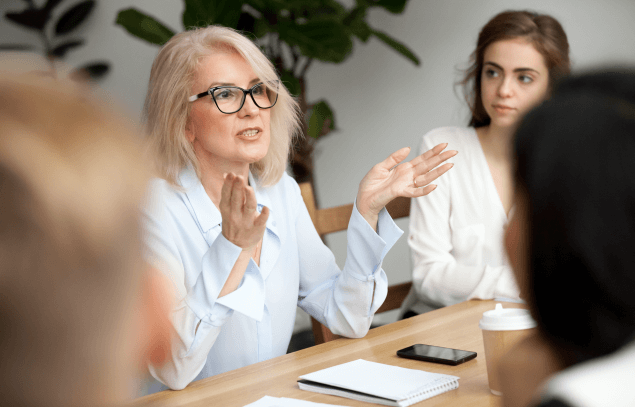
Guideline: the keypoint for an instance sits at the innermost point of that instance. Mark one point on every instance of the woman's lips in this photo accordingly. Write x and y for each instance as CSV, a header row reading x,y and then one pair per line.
x,y
251,133
503,108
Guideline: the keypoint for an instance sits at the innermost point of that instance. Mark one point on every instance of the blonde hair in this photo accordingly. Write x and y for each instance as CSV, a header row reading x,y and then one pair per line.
x,y
167,108
71,182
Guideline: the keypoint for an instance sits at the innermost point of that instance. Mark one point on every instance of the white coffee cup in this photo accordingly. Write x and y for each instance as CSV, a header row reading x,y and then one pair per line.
x,y
502,328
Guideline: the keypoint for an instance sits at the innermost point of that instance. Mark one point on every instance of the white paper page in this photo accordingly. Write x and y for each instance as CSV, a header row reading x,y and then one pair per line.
x,y
269,401
387,381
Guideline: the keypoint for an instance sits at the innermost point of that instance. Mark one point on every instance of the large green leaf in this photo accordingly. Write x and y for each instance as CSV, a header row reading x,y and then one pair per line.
x,y
317,8
201,13
290,82
394,6
325,39
356,22
144,26
322,120
397,46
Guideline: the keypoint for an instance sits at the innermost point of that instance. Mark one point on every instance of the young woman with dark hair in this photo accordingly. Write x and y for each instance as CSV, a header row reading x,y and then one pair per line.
x,y
571,243
456,234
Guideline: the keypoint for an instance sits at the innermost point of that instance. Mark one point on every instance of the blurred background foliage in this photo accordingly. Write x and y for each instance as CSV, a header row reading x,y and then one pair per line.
x,y
292,33
56,31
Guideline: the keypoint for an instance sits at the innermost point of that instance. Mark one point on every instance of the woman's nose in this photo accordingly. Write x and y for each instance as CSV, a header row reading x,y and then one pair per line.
x,y
505,88
249,108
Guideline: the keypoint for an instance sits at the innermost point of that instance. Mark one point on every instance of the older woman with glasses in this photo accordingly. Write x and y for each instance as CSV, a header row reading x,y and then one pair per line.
x,y
229,226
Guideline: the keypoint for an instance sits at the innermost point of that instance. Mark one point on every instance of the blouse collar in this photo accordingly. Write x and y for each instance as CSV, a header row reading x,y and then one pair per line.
x,y
205,211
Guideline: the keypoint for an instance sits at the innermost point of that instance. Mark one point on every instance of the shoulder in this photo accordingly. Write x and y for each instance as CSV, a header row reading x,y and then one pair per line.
x,y
161,195
161,190
591,383
289,183
454,136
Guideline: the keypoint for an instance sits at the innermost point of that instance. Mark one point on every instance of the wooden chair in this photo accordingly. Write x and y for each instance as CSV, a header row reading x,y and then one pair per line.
x,y
335,219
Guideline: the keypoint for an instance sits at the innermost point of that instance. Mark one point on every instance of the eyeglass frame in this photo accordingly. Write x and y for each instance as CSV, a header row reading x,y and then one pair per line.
x,y
246,92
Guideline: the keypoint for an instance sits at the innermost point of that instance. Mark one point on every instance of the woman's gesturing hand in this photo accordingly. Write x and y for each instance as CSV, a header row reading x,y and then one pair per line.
x,y
391,178
242,224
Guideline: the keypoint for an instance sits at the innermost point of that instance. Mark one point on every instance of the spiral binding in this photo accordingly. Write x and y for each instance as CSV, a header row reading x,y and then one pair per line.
x,y
428,392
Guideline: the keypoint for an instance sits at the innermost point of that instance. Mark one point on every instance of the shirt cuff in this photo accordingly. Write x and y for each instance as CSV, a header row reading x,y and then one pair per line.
x,y
370,247
217,264
249,297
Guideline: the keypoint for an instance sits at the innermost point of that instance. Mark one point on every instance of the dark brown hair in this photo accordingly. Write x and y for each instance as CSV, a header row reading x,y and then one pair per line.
x,y
574,165
544,32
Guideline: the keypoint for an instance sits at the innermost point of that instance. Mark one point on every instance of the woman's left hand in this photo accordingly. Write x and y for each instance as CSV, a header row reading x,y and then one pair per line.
x,y
391,178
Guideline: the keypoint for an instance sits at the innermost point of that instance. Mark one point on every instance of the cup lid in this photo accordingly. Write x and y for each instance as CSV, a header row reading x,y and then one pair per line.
x,y
506,319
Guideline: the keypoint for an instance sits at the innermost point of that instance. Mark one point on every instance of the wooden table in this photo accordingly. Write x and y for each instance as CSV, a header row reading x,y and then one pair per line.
x,y
453,327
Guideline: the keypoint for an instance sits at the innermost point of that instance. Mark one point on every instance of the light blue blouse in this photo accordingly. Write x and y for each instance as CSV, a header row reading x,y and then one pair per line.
x,y
254,323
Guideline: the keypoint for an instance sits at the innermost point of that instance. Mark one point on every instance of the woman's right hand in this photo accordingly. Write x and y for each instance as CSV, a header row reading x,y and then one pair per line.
x,y
242,224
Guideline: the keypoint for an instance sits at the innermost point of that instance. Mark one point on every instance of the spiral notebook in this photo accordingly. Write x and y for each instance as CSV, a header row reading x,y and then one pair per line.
x,y
378,383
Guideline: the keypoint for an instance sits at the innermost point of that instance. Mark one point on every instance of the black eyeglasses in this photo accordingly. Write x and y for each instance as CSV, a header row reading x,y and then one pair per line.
x,y
230,99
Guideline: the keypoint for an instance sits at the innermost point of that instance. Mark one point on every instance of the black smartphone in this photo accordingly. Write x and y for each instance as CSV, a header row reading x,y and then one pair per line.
x,y
436,354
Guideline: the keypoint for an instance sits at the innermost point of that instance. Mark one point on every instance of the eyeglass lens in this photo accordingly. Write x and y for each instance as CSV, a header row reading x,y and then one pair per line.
x,y
230,99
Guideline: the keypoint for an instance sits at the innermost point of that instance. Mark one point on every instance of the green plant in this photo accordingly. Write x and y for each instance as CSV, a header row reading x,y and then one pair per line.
x,y
55,38
292,33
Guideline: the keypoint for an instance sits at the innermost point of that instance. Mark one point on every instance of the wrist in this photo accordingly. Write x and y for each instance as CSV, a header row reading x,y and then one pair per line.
x,y
363,207
369,216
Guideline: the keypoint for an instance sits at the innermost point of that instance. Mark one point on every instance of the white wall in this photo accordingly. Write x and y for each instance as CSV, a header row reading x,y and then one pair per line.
x,y
382,101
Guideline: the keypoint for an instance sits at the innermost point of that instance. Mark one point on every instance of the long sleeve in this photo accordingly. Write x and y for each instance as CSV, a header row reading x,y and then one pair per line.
x,y
343,300
199,314
450,230
254,323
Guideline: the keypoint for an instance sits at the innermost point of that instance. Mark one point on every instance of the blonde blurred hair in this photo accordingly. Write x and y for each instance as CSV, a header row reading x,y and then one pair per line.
x,y
71,182
167,108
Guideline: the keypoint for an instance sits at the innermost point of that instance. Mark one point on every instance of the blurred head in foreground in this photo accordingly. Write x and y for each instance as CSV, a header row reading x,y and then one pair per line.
x,y
572,238
76,320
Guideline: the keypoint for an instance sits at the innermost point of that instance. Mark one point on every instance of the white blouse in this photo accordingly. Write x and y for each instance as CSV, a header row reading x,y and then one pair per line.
x,y
456,232
255,322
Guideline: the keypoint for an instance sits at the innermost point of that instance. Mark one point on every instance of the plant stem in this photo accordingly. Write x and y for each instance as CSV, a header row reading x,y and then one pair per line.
x,y
306,67
271,47
48,53
296,59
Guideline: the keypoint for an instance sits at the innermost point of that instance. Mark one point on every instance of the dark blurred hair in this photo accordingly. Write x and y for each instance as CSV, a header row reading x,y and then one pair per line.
x,y
576,164
543,31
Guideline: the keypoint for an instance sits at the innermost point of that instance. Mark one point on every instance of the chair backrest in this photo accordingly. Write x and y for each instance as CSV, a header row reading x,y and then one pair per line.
x,y
335,219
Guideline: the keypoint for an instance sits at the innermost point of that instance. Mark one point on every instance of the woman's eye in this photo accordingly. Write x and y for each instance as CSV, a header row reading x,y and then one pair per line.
x,y
224,94
490,73
259,90
525,79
